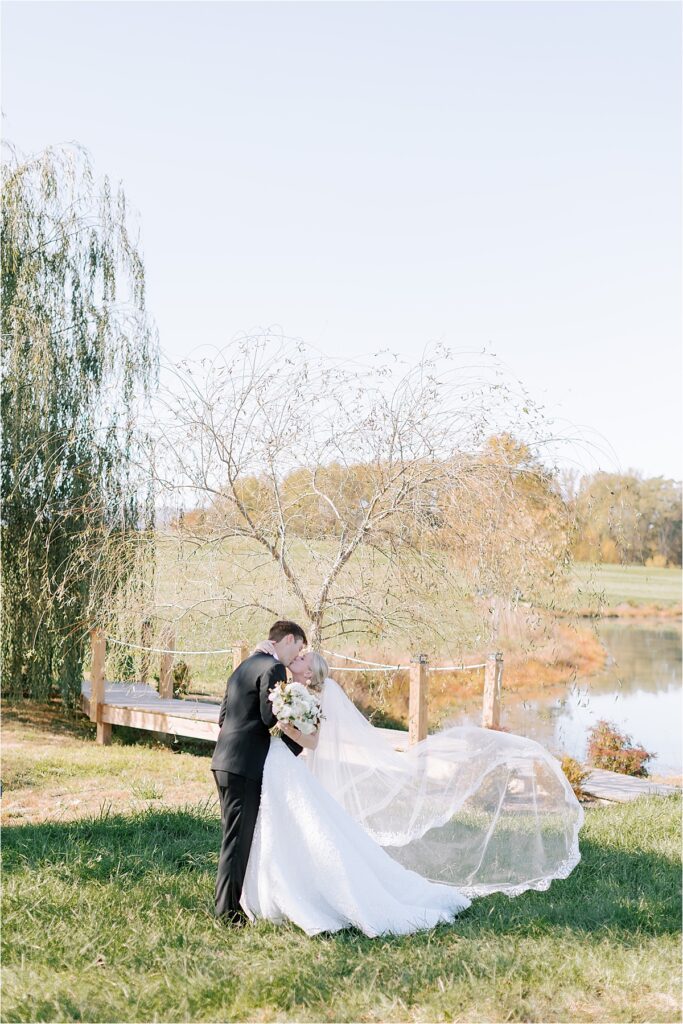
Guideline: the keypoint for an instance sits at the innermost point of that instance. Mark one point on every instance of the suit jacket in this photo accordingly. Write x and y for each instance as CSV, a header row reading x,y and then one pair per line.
x,y
246,715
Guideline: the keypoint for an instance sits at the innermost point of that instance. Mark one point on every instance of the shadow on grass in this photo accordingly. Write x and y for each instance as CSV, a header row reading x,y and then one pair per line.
x,y
128,737
612,889
48,716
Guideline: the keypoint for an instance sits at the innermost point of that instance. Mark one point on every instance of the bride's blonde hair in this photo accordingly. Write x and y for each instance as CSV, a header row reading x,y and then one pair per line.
x,y
319,670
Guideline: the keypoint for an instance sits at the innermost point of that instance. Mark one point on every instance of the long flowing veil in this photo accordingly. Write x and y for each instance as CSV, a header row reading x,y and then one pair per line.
x,y
480,809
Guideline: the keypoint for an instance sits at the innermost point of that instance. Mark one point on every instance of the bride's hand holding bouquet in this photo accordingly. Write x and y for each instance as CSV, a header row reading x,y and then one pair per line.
x,y
298,713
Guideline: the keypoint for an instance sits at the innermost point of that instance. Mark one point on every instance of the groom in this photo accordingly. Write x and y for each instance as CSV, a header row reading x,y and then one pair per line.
x,y
245,718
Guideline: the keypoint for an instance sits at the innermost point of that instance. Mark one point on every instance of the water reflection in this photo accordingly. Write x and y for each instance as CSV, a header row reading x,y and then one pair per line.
x,y
640,691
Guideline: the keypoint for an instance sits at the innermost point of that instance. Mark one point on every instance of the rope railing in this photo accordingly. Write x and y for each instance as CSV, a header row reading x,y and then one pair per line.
x,y
396,668
419,669
352,668
455,668
361,661
163,650
334,654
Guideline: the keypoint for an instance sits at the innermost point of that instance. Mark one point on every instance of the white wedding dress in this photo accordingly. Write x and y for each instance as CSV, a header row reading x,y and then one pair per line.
x,y
357,833
311,863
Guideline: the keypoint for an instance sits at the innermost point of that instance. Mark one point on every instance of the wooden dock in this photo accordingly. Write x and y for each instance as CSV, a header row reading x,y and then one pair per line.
x,y
618,788
141,707
144,699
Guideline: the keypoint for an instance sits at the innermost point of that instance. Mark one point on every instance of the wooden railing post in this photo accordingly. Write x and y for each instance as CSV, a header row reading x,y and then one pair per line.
x,y
145,640
98,647
417,707
166,667
240,653
493,683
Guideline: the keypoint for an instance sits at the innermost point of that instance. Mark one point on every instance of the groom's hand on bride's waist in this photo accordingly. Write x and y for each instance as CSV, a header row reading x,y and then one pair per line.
x,y
273,675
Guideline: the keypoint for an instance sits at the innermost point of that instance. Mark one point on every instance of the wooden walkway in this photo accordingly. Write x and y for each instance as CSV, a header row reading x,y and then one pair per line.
x,y
621,789
140,707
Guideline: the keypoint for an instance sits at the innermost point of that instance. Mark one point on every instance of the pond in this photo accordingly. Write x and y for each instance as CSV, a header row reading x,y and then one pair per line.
x,y
639,691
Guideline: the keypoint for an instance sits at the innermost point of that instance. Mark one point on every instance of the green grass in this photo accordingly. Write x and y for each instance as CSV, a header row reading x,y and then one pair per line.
x,y
109,918
50,765
203,575
628,584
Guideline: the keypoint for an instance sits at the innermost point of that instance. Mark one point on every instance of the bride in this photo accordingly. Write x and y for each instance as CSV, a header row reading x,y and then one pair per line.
x,y
354,832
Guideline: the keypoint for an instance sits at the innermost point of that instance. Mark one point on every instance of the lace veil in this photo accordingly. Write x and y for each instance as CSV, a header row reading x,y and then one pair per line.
x,y
479,809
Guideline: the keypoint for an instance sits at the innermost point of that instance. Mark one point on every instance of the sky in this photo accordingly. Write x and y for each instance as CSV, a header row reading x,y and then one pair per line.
x,y
387,175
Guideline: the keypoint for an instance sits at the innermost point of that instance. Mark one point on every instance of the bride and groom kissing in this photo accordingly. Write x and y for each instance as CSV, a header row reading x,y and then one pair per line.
x,y
245,720
338,829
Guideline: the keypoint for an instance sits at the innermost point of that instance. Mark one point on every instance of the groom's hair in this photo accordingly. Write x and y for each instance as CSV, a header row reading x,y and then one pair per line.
x,y
282,628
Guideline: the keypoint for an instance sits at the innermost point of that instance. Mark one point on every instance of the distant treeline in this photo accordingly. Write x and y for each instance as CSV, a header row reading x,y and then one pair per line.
x,y
626,518
502,497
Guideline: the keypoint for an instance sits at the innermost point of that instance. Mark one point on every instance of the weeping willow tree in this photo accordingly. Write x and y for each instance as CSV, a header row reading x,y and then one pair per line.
x,y
79,354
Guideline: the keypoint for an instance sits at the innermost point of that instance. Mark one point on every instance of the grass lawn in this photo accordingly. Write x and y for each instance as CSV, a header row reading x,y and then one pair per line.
x,y
187,577
107,913
627,584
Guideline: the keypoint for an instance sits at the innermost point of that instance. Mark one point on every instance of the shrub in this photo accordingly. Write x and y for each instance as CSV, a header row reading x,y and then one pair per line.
x,y
610,749
181,678
576,775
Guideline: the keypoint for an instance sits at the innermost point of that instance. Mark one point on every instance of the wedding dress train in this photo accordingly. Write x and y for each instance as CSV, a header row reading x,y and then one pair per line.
x,y
311,863
356,832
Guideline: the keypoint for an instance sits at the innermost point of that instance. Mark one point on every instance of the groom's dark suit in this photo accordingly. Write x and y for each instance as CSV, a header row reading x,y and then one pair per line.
x,y
245,717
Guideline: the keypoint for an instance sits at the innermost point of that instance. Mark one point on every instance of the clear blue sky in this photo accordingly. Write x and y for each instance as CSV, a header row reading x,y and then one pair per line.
x,y
370,175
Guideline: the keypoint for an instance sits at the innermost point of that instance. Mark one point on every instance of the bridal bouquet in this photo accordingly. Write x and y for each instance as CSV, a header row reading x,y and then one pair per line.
x,y
294,705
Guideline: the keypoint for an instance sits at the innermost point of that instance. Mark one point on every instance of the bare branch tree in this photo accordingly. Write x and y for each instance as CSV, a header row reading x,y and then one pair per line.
x,y
366,499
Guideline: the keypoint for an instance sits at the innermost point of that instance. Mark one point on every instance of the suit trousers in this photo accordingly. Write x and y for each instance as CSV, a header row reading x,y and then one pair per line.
x,y
240,798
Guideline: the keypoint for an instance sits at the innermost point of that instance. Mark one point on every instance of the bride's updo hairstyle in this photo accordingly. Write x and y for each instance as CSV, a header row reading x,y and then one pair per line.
x,y
319,670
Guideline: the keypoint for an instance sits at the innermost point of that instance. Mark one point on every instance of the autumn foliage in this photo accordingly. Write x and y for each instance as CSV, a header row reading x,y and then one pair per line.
x,y
612,750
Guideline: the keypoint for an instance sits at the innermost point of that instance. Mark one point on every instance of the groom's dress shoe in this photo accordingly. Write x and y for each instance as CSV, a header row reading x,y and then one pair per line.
x,y
233,919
